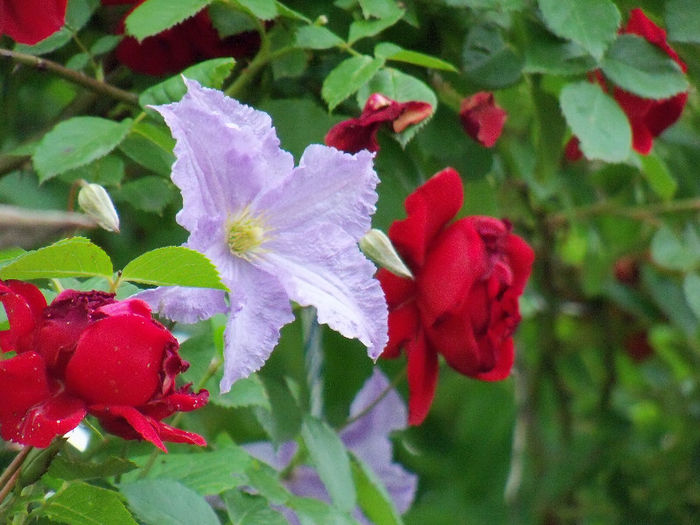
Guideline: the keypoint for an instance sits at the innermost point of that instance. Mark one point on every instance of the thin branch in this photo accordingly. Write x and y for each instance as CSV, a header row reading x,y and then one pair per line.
x,y
76,77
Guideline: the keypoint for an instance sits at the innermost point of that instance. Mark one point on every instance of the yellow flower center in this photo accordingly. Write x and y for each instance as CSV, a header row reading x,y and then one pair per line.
x,y
245,234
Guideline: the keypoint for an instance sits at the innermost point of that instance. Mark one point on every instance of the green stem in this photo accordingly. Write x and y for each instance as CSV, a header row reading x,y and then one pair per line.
x,y
76,77
646,212
11,474
263,58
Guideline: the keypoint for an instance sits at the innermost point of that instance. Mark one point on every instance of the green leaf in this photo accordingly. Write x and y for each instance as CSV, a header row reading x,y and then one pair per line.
x,y
106,171
105,44
74,257
288,12
641,68
671,298
83,504
249,509
366,28
597,120
691,288
76,142
670,251
658,176
379,8
167,502
389,51
314,512
316,37
545,53
330,458
265,480
590,23
150,193
210,73
683,21
151,146
500,5
155,16
372,496
347,77
262,9
245,392
403,88
70,469
283,421
173,266
488,60
210,472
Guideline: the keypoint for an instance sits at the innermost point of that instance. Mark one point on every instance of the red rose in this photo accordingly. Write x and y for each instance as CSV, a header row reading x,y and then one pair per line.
x,y
88,353
174,49
648,117
360,133
482,118
463,302
30,21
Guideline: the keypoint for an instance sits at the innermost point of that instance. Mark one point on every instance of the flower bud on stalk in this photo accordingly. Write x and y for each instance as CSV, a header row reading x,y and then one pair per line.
x,y
95,201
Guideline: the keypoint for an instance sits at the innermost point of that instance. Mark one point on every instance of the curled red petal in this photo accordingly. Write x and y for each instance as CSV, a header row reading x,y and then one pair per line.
x,y
30,21
457,260
422,373
404,326
24,305
127,422
503,365
429,208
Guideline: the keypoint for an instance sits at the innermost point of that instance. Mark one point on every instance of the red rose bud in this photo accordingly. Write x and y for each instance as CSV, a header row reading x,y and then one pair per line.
x,y
482,118
360,133
30,21
88,353
463,302
190,41
637,346
627,270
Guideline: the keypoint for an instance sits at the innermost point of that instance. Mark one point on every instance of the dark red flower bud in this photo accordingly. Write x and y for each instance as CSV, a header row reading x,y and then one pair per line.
x,y
482,118
360,133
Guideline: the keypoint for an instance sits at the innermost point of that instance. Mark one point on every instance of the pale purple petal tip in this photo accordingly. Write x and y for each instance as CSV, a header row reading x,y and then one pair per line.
x,y
259,309
184,304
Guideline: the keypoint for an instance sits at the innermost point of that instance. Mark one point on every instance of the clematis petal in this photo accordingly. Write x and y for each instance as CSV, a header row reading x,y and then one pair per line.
x,y
227,153
343,190
183,304
422,374
30,21
259,309
429,208
324,268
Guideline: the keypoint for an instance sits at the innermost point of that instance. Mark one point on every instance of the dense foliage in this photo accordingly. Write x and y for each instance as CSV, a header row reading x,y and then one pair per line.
x,y
572,129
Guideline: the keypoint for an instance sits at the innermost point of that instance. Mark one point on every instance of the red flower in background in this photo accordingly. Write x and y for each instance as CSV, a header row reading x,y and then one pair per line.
x,y
184,44
463,302
648,117
360,133
88,353
30,21
482,118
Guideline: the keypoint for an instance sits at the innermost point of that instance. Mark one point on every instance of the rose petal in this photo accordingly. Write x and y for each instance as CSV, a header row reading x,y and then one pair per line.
x,y
422,376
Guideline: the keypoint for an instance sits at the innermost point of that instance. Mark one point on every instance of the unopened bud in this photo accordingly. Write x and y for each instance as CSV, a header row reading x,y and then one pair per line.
x,y
322,20
377,246
95,201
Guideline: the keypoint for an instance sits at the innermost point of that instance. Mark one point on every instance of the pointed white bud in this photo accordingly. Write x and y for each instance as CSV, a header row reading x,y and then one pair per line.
x,y
377,246
95,201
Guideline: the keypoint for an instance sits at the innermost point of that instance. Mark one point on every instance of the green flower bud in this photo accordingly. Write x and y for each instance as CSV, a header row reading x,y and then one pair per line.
x,y
377,246
95,201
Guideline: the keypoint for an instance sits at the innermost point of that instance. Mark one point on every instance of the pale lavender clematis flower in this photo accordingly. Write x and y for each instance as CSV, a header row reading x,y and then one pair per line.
x,y
367,437
275,232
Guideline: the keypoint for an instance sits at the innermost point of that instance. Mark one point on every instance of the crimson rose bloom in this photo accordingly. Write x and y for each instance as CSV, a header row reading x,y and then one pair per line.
x,y
360,133
482,118
463,301
648,117
184,44
88,353
30,21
